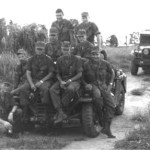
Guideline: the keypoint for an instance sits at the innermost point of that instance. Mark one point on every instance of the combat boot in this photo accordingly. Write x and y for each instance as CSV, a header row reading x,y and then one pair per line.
x,y
60,117
106,130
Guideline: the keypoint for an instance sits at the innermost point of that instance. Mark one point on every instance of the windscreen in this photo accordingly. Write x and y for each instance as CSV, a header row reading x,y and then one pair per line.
x,y
144,39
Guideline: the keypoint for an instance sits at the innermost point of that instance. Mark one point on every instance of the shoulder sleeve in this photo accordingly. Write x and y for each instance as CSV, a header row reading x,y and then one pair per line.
x,y
29,63
79,65
95,28
50,64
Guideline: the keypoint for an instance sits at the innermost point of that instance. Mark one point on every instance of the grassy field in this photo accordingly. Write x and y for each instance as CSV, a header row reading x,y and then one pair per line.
x,y
139,138
120,57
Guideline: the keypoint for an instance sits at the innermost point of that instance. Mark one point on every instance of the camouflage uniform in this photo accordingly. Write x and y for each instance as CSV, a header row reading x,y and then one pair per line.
x,y
67,67
53,48
91,30
20,73
39,66
64,30
6,104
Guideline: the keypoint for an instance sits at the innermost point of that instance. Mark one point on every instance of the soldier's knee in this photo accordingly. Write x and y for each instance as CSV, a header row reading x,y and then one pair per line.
x,y
71,88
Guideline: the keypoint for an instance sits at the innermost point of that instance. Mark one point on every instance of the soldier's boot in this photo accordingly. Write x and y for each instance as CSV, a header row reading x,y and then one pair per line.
x,y
106,130
60,117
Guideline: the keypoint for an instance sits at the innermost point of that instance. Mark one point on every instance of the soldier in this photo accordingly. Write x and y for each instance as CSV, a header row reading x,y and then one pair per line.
x,y
39,72
10,113
95,76
64,27
69,72
20,72
91,29
53,48
84,47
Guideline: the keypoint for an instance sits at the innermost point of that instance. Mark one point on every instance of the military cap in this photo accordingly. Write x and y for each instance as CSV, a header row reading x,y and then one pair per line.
x,y
81,32
21,51
40,44
65,44
95,49
85,14
53,30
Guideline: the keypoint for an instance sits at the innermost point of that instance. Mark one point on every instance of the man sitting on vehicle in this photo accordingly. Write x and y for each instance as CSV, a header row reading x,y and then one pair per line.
x,y
69,72
10,113
39,73
94,74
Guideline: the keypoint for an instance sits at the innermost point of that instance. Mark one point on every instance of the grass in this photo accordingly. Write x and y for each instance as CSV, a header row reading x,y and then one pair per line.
x,y
8,62
138,92
34,142
120,57
138,138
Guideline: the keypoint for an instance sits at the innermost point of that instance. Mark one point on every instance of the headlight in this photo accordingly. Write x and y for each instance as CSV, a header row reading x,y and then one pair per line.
x,y
146,51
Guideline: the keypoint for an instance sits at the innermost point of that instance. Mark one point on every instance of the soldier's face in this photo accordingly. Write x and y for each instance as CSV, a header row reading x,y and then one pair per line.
x,y
95,56
82,38
85,19
53,37
59,16
65,51
21,57
39,50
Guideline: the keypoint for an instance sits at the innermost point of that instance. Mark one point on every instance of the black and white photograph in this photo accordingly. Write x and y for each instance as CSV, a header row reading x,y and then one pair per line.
x,y
75,75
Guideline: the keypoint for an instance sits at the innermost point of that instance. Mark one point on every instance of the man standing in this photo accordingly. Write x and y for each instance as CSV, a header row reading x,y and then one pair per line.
x,y
53,48
64,27
95,79
91,29
69,72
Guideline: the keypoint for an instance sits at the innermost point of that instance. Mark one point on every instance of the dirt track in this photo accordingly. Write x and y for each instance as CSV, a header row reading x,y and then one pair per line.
x,y
121,124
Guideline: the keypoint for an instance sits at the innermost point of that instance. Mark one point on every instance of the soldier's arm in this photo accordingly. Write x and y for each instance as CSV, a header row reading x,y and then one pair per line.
x,y
111,72
29,78
51,70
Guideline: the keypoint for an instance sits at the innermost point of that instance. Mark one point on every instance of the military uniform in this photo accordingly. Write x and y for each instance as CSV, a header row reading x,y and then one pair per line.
x,y
6,104
40,66
91,30
83,49
96,74
67,67
64,29
20,73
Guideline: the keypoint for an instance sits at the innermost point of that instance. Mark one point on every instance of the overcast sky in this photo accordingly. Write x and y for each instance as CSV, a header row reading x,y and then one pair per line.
x,y
119,17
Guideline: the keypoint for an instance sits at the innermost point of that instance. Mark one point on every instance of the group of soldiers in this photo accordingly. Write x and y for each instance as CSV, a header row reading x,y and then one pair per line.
x,y
68,60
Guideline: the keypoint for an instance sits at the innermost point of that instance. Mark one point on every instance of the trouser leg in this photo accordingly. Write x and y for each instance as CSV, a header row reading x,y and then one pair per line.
x,y
44,92
69,93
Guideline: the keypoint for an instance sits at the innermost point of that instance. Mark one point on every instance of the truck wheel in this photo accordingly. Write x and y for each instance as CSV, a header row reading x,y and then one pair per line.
x,y
134,68
90,121
120,107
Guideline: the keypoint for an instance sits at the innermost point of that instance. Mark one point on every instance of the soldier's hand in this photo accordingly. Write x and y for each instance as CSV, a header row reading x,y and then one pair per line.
x,y
109,88
7,125
38,84
88,87
63,84
10,117
33,87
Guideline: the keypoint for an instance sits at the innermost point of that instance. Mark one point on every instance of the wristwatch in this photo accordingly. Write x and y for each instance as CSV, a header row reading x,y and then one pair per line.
x,y
70,80
41,81
111,83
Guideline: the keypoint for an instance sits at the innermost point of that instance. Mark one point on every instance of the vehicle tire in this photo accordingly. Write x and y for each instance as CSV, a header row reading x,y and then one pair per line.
x,y
120,107
90,121
134,68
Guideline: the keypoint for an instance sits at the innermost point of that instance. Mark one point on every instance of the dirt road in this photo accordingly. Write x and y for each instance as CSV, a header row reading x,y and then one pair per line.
x,y
121,124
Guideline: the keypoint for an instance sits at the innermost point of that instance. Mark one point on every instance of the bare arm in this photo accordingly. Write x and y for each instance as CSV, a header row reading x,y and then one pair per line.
x,y
29,78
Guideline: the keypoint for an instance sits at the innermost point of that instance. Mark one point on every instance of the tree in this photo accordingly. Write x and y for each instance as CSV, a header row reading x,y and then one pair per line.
x,y
113,41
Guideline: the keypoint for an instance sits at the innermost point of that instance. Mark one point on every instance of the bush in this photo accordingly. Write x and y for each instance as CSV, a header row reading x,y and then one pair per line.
x,y
8,62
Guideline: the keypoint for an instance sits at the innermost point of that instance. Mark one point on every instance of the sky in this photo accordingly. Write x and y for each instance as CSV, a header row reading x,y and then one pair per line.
x,y
119,17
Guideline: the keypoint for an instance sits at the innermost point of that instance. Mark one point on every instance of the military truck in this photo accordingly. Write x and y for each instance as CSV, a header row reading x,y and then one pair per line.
x,y
141,55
